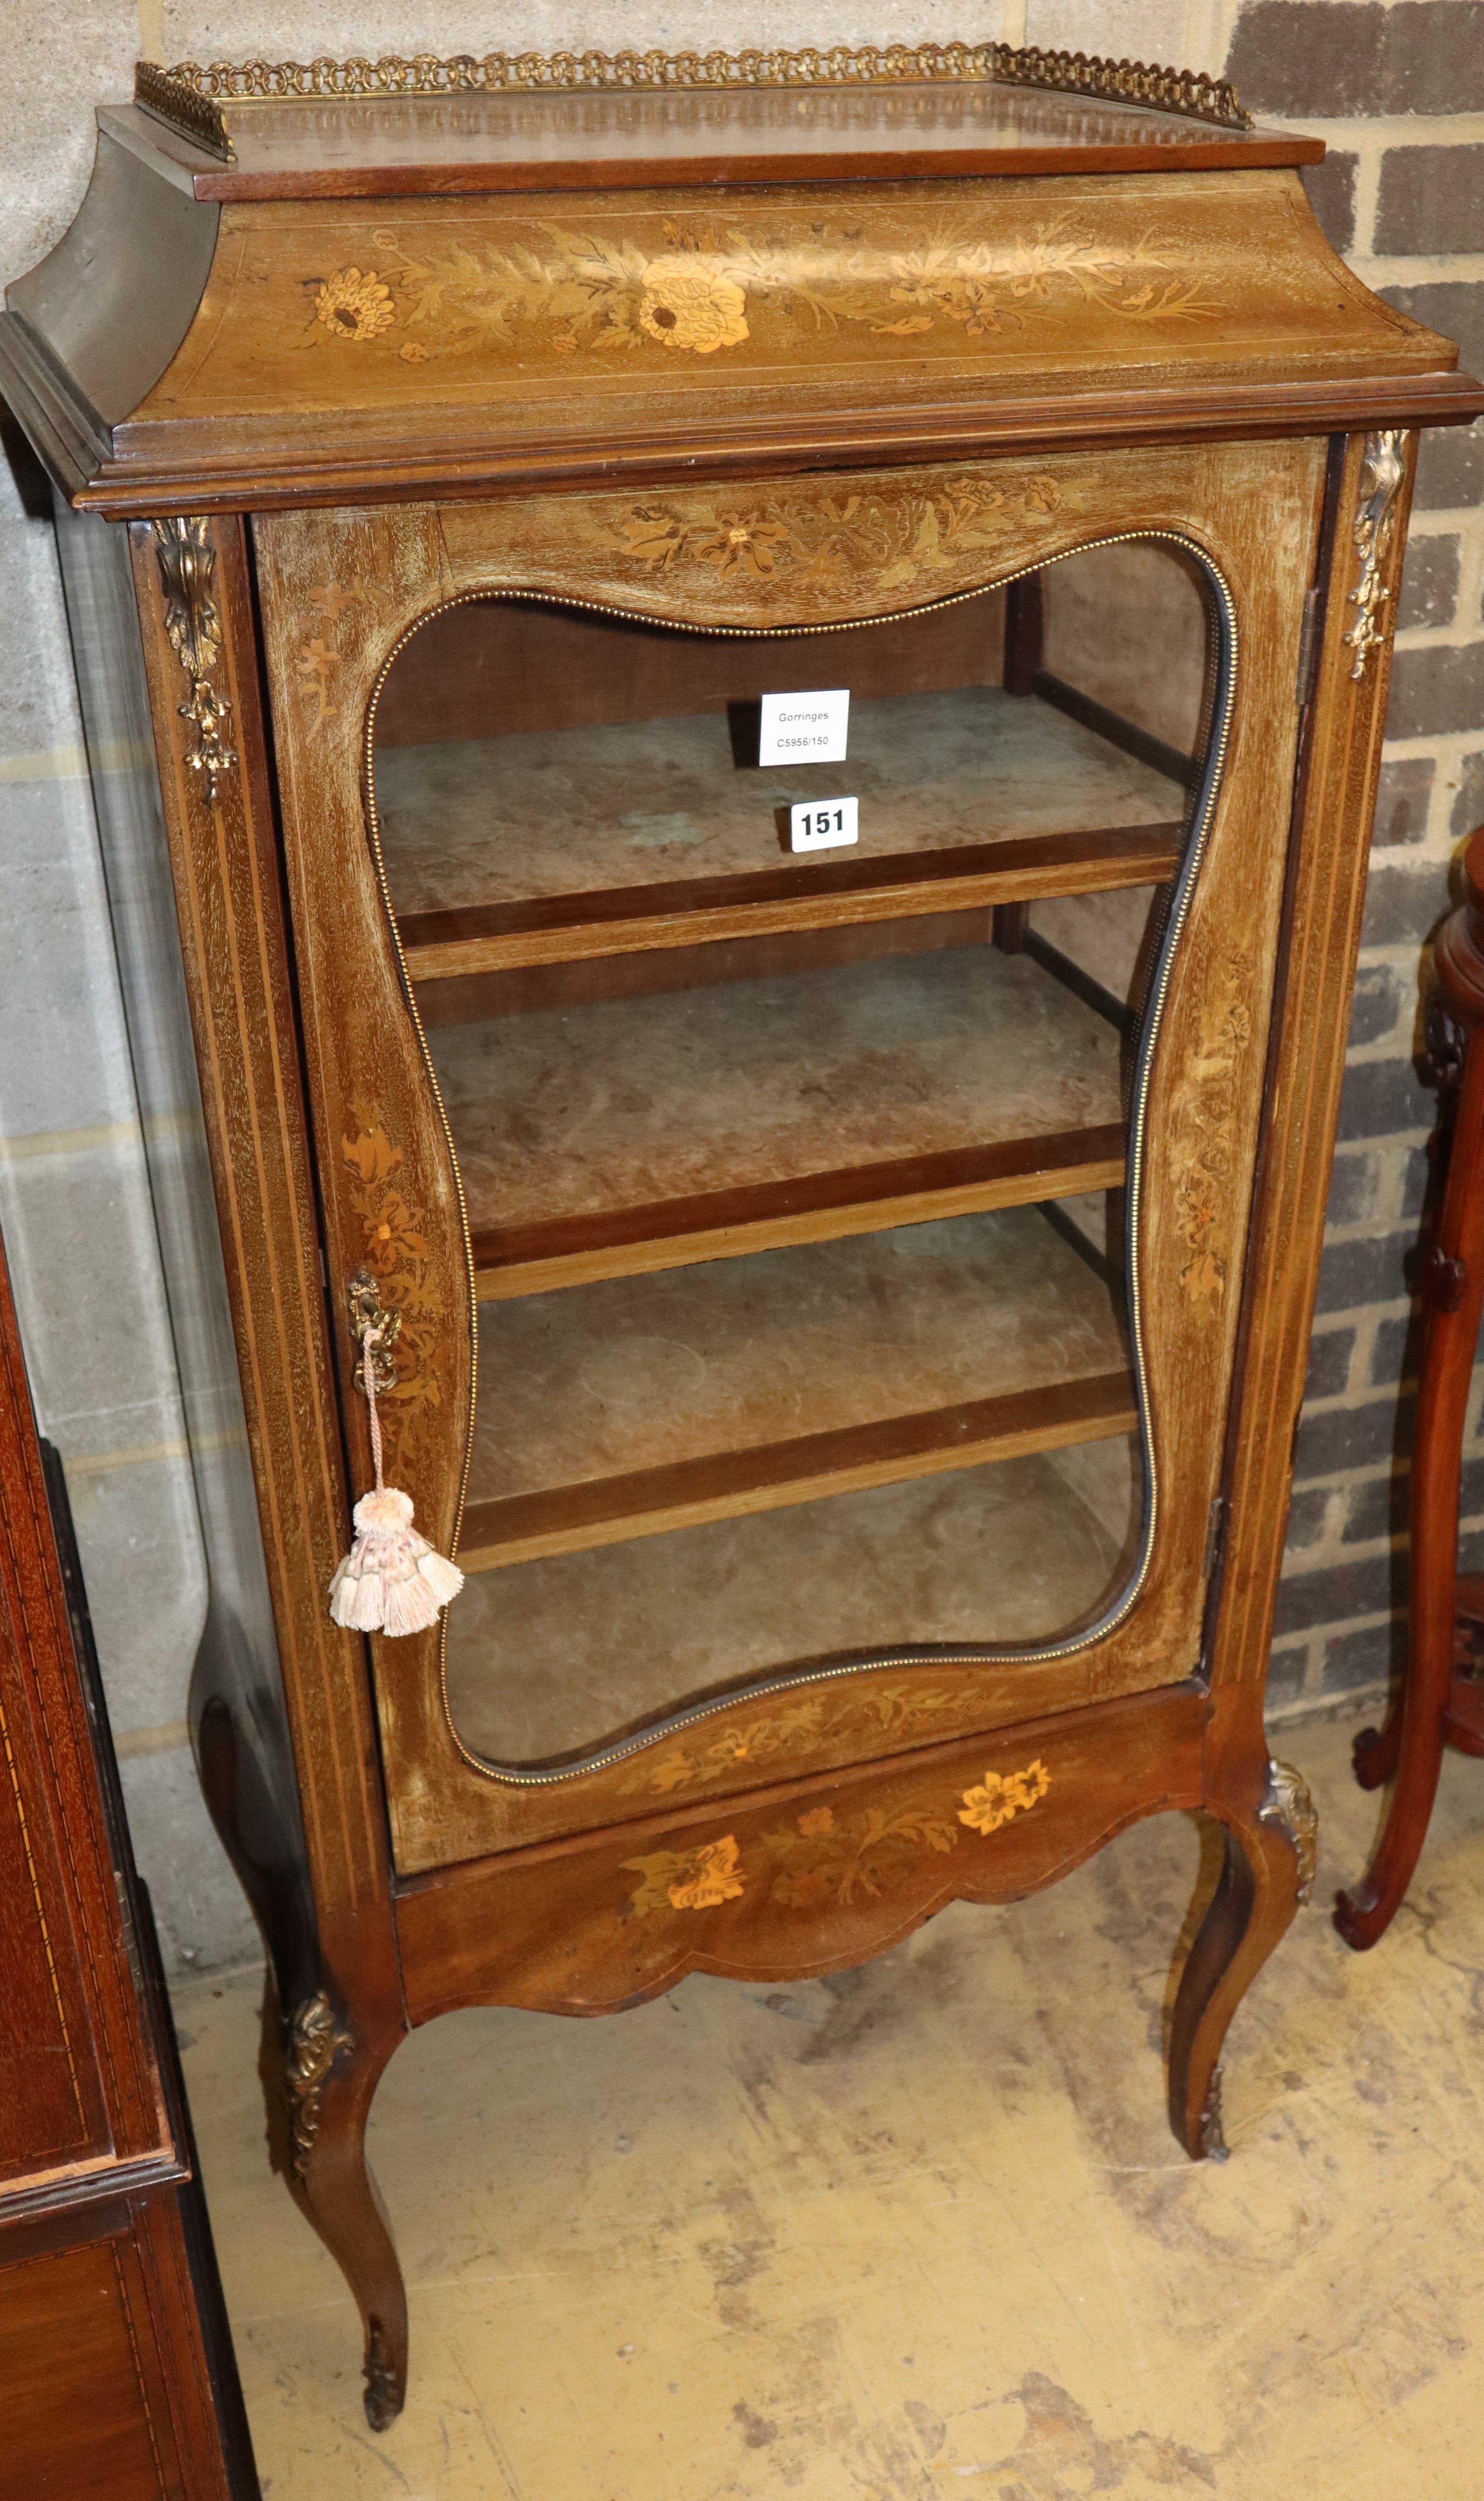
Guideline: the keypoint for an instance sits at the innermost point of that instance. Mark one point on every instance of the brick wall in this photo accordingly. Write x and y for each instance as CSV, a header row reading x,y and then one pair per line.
x,y
1397,93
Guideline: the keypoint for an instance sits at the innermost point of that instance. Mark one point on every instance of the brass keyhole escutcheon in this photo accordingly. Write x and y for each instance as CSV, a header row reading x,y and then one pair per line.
x,y
367,1311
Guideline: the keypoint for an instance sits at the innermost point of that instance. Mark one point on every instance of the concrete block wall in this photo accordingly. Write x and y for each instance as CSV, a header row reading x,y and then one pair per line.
x,y
1394,90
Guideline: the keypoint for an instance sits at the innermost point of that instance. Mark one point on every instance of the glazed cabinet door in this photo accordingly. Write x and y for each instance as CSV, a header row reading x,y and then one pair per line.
x,y
786,977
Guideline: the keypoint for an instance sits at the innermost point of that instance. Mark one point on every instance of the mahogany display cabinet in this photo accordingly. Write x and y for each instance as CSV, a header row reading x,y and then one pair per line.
x,y
738,701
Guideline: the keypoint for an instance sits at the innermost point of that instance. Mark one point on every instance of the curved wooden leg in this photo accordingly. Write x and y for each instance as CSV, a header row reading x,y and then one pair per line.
x,y
1365,1912
331,2076
1268,1870
1453,1299
1376,1751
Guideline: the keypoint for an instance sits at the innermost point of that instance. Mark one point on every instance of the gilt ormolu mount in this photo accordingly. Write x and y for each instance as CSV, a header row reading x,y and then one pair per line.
x,y
1012,459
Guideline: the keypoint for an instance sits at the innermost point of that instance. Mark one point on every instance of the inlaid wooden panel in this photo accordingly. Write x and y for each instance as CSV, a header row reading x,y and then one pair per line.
x,y
585,1927
78,2085
499,320
339,590
228,906
80,2418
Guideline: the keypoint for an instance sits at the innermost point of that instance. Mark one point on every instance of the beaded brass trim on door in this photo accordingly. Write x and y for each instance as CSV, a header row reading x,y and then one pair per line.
x,y
1140,83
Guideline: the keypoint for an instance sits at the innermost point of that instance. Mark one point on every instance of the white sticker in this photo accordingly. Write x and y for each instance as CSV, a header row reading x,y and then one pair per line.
x,y
822,824
804,729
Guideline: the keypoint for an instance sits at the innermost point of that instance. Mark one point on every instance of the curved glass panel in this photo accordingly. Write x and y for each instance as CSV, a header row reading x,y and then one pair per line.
x,y
792,1000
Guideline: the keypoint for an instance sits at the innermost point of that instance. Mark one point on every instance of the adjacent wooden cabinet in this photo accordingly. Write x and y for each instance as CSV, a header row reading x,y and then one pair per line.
x,y
766,678
117,2381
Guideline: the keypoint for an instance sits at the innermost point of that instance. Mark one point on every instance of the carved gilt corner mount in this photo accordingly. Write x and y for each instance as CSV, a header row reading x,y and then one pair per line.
x,y
1375,519
313,2040
187,562
1290,1805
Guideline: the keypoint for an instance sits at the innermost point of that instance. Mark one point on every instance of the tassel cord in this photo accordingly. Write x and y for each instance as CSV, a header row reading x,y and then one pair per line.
x,y
391,1582
370,1347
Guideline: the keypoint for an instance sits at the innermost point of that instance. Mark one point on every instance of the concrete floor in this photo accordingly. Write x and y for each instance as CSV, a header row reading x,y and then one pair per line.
x,y
918,2229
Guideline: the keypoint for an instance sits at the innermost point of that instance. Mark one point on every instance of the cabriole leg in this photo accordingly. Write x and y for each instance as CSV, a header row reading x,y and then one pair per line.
x,y
1267,1871
331,2076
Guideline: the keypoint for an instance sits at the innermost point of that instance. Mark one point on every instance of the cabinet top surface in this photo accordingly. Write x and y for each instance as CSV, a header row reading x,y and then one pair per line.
x,y
579,134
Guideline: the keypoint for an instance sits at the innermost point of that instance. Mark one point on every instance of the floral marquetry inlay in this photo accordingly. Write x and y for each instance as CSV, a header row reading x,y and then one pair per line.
x,y
397,1250
694,1879
355,306
823,1855
824,541
1203,1117
798,1726
699,289
1001,1796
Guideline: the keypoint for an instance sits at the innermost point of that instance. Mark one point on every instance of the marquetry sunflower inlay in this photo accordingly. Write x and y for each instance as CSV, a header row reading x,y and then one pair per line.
x,y
688,303
1002,1795
355,305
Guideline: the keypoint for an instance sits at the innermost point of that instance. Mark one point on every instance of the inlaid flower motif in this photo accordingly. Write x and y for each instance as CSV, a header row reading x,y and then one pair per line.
x,y
314,663
1003,1796
713,1878
739,546
689,304
393,1235
695,1879
355,306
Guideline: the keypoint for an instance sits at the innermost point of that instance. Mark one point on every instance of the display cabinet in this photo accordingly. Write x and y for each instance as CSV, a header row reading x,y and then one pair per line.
x,y
766,677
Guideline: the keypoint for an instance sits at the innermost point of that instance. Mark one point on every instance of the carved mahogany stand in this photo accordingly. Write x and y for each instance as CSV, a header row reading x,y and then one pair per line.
x,y
1440,1702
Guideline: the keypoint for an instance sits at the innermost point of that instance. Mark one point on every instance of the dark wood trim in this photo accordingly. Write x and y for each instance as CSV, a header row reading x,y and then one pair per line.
x,y
280,467
1071,975
807,1469
630,1241
1024,633
1119,732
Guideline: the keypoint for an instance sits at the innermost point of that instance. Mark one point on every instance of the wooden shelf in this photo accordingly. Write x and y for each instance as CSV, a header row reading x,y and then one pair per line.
x,y
648,1133
549,847
568,1653
654,1402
